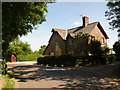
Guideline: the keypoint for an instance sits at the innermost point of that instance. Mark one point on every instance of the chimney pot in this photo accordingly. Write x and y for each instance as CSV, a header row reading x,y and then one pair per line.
x,y
85,21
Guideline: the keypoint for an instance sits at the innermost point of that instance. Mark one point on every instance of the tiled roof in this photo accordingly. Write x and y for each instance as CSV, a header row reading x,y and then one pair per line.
x,y
76,30
88,28
62,33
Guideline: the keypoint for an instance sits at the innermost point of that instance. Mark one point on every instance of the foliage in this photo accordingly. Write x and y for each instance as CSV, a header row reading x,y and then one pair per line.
x,y
80,34
19,18
23,51
68,60
29,57
98,53
18,47
8,82
74,47
113,14
10,74
95,48
65,60
3,66
116,48
42,48
58,52
110,59
105,50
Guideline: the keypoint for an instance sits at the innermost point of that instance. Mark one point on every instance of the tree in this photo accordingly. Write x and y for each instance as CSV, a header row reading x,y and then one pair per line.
x,y
42,48
95,48
18,47
105,50
116,48
19,18
113,15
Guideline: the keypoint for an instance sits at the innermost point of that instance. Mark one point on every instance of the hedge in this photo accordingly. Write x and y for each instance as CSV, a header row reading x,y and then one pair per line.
x,y
68,60
65,60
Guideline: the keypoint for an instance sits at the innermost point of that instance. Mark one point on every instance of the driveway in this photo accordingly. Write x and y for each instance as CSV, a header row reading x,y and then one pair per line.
x,y
30,75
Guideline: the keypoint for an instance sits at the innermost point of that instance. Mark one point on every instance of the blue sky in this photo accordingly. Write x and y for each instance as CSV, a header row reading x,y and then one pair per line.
x,y
66,15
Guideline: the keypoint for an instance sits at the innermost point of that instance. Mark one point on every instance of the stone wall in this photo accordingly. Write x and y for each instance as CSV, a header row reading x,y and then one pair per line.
x,y
55,43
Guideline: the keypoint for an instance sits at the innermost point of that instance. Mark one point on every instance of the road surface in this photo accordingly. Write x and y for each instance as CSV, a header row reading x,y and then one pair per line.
x,y
30,75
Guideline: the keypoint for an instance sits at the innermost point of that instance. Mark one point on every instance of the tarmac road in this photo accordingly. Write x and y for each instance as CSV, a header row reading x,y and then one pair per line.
x,y
30,75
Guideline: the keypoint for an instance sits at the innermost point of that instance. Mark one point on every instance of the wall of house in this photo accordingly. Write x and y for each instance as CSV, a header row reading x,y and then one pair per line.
x,y
98,35
55,43
77,47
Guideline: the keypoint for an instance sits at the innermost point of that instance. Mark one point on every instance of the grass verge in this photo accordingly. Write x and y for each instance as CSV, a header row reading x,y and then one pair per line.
x,y
8,81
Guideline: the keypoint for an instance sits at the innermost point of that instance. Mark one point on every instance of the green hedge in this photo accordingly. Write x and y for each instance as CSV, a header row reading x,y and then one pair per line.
x,y
68,60
29,57
65,60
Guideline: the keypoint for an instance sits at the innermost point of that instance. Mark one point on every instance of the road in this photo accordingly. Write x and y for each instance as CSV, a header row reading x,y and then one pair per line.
x,y
30,75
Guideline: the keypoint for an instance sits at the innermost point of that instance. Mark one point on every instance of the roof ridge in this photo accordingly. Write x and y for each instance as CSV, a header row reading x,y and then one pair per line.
x,y
73,28
93,23
59,29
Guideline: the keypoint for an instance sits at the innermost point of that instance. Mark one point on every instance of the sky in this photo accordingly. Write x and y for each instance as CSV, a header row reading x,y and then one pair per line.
x,y
66,15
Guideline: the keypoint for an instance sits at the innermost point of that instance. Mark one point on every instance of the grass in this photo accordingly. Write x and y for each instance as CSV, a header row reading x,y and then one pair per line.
x,y
8,81
29,57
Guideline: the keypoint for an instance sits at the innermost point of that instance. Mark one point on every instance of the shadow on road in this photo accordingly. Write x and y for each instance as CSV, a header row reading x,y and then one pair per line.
x,y
88,77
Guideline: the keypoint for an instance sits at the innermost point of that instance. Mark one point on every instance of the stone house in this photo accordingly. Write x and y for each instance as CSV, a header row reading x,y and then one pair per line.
x,y
66,41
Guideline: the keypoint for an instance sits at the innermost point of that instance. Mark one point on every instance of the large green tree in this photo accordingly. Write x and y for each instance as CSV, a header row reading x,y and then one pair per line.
x,y
19,18
18,47
113,14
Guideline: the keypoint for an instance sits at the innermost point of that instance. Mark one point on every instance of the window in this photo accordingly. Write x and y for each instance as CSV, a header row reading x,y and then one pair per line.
x,y
57,46
93,38
71,52
102,40
51,53
70,42
82,53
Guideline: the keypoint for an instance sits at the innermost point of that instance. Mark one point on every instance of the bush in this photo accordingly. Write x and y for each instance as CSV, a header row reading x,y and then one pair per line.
x,y
10,74
116,48
96,60
68,60
29,57
65,60
110,59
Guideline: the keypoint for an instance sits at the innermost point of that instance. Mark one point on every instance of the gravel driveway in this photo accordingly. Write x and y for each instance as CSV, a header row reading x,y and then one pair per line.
x,y
30,75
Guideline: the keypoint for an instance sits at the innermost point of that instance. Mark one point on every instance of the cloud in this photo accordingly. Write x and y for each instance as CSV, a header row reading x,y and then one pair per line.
x,y
76,23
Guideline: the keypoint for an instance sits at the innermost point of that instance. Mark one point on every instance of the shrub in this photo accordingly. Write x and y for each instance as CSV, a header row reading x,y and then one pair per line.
x,y
65,60
28,57
110,59
10,74
95,48
58,52
116,48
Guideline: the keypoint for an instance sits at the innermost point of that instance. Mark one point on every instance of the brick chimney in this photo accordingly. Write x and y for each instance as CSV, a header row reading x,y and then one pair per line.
x,y
85,21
